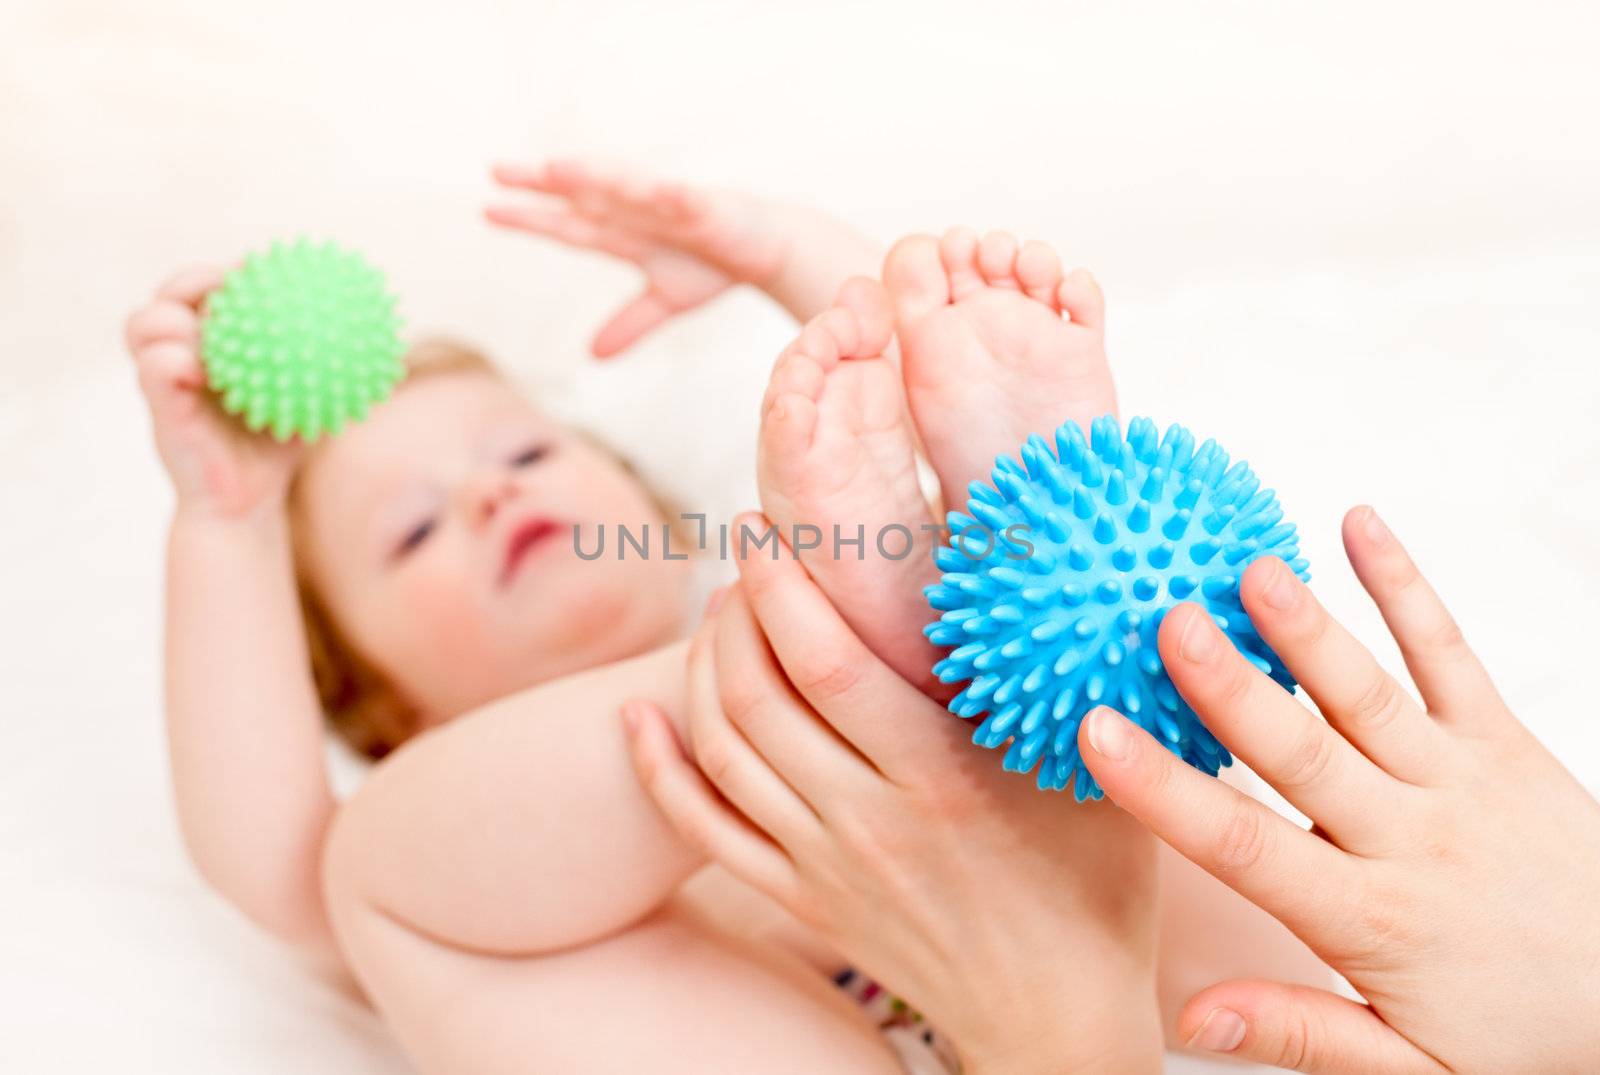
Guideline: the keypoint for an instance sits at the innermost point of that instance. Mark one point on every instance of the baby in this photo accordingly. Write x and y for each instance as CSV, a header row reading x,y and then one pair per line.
x,y
501,888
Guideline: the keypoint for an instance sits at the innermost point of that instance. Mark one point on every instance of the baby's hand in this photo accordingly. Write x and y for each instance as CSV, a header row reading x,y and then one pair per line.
x,y
1452,872
214,464
691,243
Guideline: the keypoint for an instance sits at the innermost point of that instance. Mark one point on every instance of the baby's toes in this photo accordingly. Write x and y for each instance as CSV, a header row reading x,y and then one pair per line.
x,y
837,332
1080,295
1039,273
794,372
997,259
788,427
802,370
869,302
958,250
915,277
826,338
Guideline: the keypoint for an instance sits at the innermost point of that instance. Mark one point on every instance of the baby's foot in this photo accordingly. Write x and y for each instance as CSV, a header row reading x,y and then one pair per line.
x,y
988,358
836,455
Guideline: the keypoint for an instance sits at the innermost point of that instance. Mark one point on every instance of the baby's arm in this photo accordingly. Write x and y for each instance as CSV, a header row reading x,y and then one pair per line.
x,y
244,727
243,723
691,243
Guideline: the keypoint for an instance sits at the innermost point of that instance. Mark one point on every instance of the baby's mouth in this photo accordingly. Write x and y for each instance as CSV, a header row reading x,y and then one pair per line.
x,y
528,536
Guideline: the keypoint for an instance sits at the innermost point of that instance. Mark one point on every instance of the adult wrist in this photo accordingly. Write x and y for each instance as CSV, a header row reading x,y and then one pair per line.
x,y
1120,1031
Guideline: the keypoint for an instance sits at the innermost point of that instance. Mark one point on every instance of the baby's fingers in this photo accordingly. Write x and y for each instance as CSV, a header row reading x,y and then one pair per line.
x,y
639,316
171,377
566,226
634,199
163,319
191,286
526,177
1303,881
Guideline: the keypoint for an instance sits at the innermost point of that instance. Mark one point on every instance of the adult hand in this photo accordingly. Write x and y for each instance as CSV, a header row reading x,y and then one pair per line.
x,y
1453,869
1022,926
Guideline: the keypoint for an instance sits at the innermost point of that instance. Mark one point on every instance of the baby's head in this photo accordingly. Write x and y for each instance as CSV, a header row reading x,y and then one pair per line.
x,y
435,556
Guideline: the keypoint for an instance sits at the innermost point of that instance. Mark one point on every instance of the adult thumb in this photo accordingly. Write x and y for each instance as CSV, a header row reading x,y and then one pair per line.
x,y
1300,1028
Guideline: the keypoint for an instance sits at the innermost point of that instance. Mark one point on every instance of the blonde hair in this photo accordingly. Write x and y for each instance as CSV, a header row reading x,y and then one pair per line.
x,y
362,706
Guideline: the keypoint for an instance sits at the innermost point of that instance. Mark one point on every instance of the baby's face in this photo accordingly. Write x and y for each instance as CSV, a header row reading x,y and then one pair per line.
x,y
440,534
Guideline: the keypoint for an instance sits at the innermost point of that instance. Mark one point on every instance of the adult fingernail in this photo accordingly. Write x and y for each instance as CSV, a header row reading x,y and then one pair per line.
x,y
1222,1032
1377,533
1198,643
1279,591
1108,734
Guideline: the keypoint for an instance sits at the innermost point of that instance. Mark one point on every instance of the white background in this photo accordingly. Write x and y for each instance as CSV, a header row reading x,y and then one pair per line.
x,y
1358,243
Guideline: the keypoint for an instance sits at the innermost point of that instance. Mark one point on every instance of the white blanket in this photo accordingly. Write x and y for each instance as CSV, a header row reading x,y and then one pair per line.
x,y
1368,264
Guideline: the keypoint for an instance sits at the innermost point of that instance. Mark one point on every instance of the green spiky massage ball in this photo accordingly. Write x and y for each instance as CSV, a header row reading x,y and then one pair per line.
x,y
301,340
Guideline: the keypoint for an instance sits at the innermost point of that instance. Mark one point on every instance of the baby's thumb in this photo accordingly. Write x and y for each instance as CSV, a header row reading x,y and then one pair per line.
x,y
639,316
1299,1028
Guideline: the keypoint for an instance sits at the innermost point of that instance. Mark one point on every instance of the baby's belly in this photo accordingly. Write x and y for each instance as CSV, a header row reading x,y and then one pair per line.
x,y
734,908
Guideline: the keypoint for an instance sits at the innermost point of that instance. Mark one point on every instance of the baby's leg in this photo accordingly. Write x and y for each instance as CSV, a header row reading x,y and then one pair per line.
x,y
836,454
505,891
668,994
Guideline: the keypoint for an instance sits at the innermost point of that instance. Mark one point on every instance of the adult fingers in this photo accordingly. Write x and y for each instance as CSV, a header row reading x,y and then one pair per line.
x,y
694,809
1300,1028
1453,682
730,763
1364,702
801,748
1308,762
1303,881
892,724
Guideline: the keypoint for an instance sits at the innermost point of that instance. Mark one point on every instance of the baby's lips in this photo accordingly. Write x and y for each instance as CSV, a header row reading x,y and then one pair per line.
x,y
526,536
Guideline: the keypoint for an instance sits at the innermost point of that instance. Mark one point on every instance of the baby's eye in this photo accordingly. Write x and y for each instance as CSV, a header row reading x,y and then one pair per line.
x,y
531,455
414,537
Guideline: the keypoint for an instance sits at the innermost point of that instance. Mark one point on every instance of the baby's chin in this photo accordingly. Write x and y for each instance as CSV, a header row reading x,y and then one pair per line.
x,y
573,627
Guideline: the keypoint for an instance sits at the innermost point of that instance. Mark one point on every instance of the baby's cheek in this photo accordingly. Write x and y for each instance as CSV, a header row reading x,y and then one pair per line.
x,y
438,623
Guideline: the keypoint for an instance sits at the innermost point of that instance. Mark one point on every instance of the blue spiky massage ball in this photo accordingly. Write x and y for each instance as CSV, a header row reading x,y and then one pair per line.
x,y
1058,575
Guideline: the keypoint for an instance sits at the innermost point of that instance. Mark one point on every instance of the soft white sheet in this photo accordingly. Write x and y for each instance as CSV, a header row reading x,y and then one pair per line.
x,y
1365,255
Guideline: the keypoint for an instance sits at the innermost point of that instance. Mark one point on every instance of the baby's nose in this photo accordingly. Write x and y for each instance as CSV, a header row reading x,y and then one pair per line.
x,y
488,495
